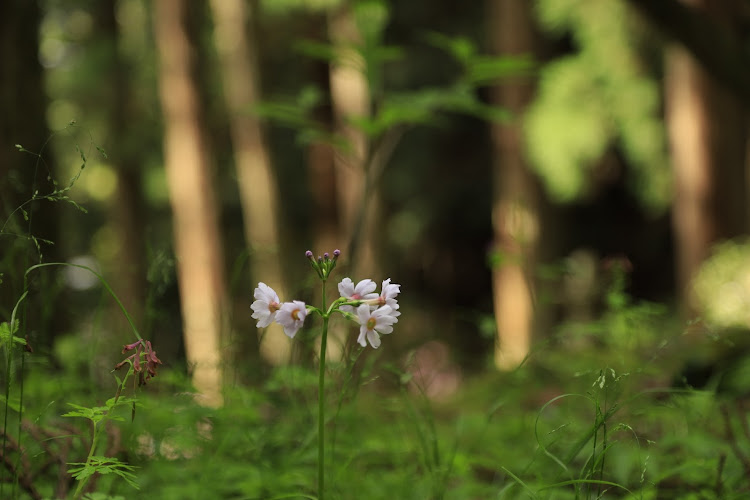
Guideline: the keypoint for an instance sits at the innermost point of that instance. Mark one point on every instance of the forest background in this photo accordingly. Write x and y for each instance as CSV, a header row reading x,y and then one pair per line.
x,y
522,169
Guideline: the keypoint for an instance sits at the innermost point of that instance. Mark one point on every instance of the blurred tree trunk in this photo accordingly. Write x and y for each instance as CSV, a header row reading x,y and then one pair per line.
x,y
126,209
322,175
350,98
357,196
718,42
193,199
708,132
321,158
235,39
515,215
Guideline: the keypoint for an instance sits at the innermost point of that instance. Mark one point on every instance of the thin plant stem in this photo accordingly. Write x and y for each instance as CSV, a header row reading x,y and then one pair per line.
x,y
97,427
92,450
8,362
20,413
8,354
321,401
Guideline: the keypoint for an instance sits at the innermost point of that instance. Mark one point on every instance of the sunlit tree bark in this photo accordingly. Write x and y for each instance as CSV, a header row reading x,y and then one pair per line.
x,y
357,198
707,128
514,208
350,98
234,36
195,219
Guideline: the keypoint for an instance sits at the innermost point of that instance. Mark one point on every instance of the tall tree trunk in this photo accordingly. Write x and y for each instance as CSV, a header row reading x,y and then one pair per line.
x,y
234,35
192,196
515,215
707,128
321,158
350,98
356,196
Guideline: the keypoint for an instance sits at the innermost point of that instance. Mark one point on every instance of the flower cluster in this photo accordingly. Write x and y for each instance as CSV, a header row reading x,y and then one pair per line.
x,y
267,308
375,313
142,347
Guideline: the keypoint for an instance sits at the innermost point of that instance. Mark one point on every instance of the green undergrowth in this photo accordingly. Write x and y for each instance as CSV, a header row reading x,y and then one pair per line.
x,y
554,428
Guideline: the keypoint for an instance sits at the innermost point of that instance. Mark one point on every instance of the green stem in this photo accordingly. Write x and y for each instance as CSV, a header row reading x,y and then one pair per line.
x,y
97,427
321,401
92,450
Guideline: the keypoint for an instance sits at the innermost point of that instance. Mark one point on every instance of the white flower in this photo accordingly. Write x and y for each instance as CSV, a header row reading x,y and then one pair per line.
x,y
362,291
388,294
265,306
373,323
291,316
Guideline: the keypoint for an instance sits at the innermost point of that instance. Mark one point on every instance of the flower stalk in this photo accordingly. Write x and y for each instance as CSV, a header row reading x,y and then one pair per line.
x,y
375,314
321,408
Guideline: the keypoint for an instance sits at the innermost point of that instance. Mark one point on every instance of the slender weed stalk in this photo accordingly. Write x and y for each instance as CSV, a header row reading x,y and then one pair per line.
x,y
8,229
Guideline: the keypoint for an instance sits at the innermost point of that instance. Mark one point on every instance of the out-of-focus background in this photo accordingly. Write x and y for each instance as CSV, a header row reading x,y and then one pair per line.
x,y
514,165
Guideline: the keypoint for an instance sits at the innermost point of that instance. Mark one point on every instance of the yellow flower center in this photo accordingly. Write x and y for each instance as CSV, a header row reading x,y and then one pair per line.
x,y
274,306
295,315
371,323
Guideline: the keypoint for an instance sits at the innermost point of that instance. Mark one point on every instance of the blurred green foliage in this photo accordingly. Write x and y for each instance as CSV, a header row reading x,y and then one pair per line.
x,y
603,96
722,286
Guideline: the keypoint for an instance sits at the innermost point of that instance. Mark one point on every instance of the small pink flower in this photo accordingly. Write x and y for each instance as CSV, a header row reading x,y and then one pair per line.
x,y
142,347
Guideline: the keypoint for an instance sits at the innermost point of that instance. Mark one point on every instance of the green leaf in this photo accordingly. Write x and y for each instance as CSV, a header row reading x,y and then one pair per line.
x,y
372,18
103,465
14,403
486,70
6,331
101,496
6,334
316,50
95,414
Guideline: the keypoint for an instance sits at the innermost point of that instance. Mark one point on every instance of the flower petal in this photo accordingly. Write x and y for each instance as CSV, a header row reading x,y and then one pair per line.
x,y
265,293
365,288
363,313
361,338
374,339
346,287
291,315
